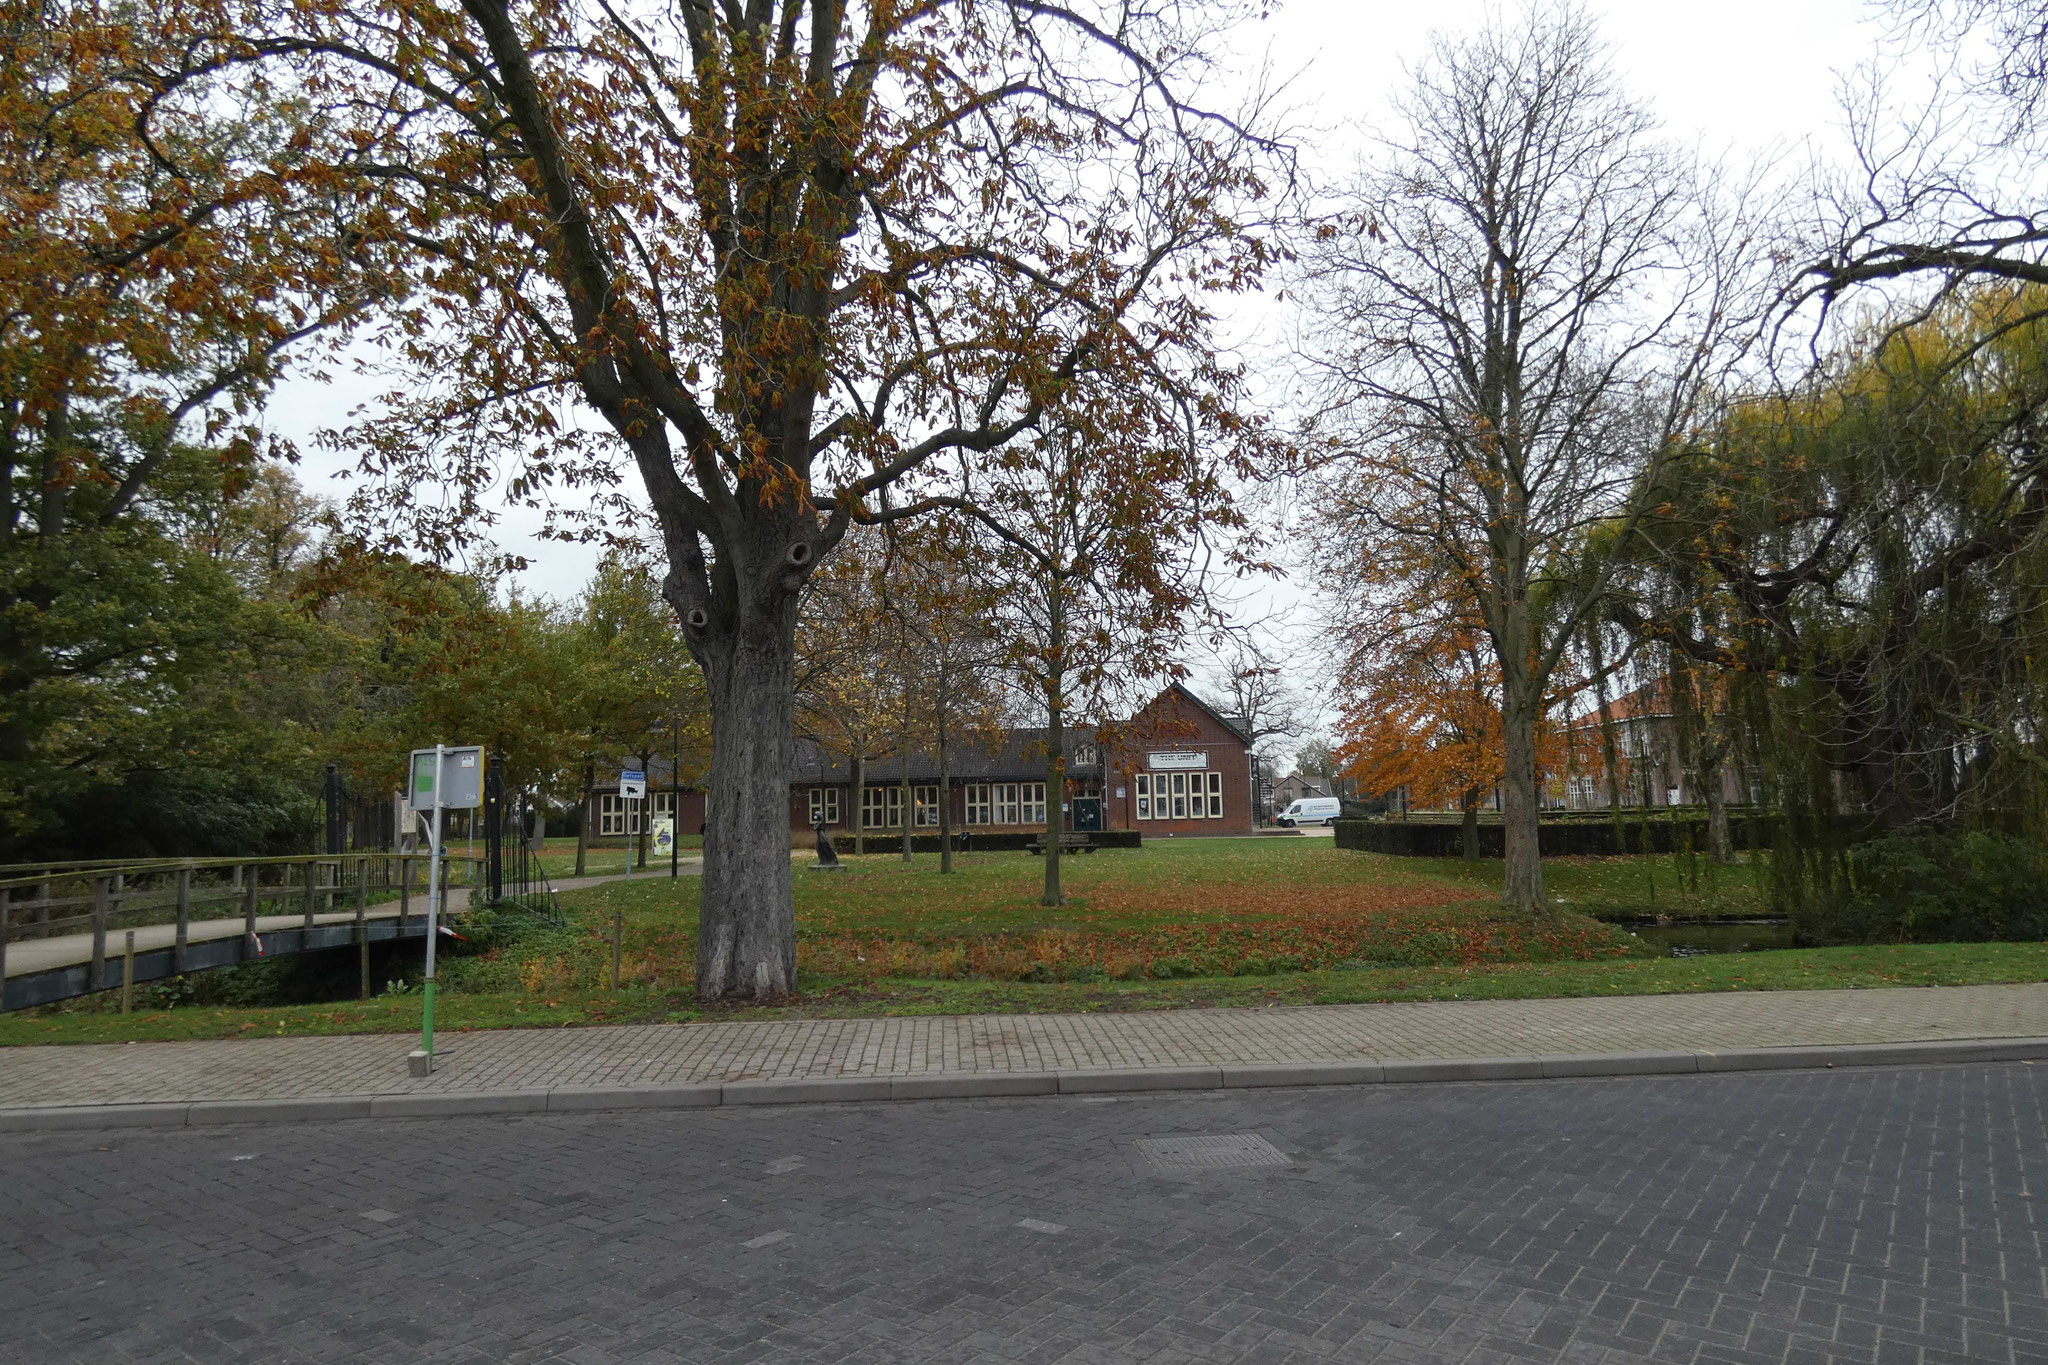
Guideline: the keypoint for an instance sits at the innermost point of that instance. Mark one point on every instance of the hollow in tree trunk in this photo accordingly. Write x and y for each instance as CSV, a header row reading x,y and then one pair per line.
x,y
746,938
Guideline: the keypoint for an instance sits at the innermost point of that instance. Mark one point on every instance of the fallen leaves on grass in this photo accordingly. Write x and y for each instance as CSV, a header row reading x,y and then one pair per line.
x,y
1256,947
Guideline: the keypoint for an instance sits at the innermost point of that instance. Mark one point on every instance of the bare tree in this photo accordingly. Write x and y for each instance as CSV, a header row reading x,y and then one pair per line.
x,y
1514,314
1096,534
1257,692
1946,194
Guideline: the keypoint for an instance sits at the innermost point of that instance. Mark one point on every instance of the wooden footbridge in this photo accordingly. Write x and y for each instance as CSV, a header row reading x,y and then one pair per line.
x,y
69,929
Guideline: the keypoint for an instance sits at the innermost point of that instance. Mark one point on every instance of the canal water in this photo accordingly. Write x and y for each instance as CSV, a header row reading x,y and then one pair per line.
x,y
1714,936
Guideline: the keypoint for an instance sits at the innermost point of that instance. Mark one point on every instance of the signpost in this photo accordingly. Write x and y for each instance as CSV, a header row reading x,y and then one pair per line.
x,y
633,788
442,778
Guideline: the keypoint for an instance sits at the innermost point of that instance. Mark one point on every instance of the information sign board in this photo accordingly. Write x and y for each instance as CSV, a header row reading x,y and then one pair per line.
x,y
1177,758
461,779
633,784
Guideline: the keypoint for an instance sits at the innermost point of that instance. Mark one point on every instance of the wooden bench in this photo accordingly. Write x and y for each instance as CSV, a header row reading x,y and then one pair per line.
x,y
1071,841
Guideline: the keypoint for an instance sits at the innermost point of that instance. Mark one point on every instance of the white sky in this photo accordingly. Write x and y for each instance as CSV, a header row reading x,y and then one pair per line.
x,y
1738,76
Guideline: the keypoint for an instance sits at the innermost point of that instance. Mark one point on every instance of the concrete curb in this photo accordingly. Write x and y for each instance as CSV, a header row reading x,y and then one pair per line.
x,y
569,1099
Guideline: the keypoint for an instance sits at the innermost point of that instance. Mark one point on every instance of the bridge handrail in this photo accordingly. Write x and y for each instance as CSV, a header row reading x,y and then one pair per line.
x,y
85,871
105,898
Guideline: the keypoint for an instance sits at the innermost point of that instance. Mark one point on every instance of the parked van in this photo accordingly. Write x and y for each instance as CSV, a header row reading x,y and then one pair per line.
x,y
1311,810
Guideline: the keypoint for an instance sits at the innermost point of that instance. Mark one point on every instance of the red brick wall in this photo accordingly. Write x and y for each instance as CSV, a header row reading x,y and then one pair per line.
x,y
1172,724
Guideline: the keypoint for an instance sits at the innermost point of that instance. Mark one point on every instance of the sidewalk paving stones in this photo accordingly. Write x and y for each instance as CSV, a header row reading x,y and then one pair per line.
x,y
803,1061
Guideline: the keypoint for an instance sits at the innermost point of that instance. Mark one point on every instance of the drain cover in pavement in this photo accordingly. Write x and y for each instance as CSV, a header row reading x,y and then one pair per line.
x,y
1216,1152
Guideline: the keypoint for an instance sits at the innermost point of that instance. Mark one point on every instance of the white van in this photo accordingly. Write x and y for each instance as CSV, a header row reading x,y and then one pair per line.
x,y
1311,810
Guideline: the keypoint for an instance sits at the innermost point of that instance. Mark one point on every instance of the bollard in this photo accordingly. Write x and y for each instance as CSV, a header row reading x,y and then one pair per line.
x,y
618,935
128,974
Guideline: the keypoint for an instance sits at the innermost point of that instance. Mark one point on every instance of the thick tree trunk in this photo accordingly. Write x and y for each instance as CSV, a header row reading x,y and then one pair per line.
x,y
1469,843
746,934
1720,847
1523,886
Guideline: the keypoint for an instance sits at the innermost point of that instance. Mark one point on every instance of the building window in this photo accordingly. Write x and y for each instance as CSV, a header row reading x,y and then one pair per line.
x,y
1084,755
979,811
1180,796
927,807
1034,803
881,807
1006,804
824,805
618,816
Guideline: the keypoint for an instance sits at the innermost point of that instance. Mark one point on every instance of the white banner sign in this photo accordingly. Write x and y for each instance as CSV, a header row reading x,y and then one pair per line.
x,y
1178,758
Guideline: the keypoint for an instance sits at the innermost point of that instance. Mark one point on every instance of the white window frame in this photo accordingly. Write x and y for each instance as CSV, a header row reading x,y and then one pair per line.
x,y
824,805
980,806
1084,755
622,817
1006,804
927,799
881,806
1180,796
1033,803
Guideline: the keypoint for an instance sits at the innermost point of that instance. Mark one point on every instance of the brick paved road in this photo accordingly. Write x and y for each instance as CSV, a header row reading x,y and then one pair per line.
x,y
1874,1216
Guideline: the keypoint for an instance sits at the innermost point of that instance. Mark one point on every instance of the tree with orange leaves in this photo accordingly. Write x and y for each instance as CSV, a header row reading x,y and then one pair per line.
x,y
1422,713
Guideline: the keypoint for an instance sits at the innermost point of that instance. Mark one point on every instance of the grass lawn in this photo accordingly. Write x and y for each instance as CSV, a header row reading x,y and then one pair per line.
x,y
1184,923
558,859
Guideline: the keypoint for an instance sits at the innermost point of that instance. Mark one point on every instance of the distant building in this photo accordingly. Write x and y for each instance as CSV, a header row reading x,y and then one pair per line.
x,y
1178,767
1649,758
1298,787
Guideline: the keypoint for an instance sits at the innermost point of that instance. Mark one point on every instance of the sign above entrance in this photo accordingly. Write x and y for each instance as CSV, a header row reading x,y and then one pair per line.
x,y
1177,758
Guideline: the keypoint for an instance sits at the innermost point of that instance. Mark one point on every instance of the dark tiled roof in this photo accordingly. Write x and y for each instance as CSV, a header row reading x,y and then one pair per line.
x,y
1020,756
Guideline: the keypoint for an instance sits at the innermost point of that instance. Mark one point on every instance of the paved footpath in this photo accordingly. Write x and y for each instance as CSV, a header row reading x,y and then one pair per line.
x,y
796,1060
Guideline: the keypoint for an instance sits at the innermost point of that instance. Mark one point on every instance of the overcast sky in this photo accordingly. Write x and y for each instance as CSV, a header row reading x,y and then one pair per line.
x,y
1739,76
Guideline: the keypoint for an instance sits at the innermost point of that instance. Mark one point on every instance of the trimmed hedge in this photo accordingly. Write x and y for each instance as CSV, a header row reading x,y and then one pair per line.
x,y
1558,839
1008,841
